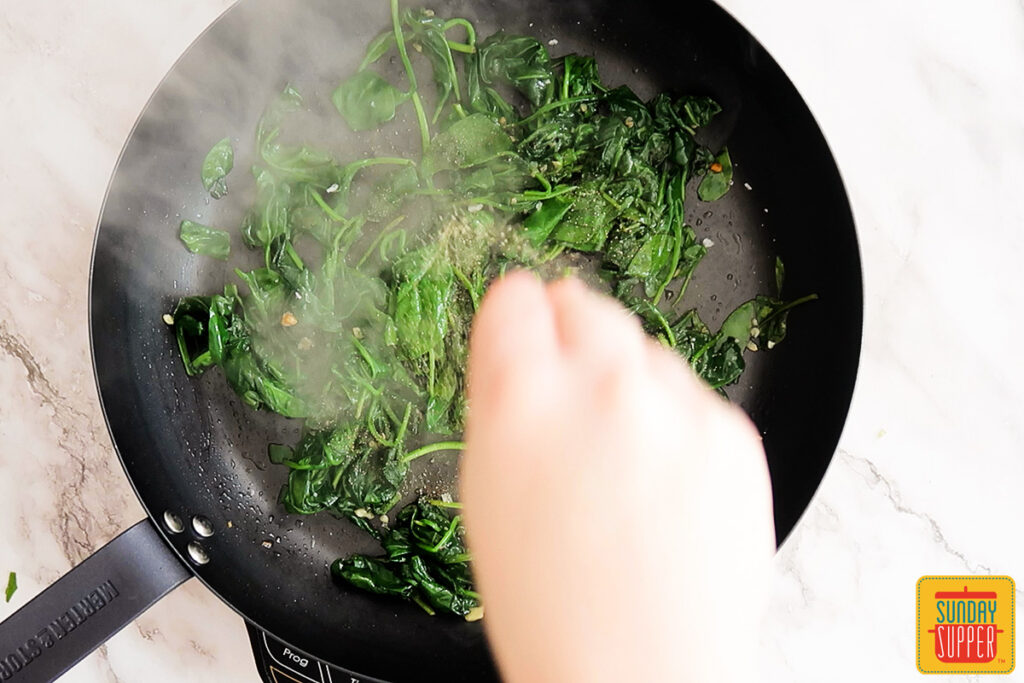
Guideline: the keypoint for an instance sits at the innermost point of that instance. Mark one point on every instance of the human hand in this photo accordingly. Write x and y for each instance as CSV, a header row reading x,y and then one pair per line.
x,y
618,511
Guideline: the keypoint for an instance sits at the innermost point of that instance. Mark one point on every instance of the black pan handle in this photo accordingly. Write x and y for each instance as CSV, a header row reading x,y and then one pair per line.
x,y
88,605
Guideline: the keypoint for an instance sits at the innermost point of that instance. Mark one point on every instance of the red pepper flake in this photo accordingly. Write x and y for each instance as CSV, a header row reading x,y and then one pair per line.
x,y
716,167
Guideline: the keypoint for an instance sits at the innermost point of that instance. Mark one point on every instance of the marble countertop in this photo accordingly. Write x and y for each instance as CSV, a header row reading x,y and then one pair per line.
x,y
921,103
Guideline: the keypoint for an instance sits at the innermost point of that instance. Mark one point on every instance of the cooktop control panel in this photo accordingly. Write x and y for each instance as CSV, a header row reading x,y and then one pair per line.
x,y
280,663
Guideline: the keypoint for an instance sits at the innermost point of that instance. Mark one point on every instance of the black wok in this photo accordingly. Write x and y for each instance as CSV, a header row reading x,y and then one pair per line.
x,y
196,456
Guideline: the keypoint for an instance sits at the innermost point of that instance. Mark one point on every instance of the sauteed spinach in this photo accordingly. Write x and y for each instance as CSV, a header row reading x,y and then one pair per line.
x,y
357,319
425,561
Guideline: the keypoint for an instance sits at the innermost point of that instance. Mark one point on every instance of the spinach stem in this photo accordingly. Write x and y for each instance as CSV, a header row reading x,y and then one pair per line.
x,y
704,349
432,192
464,23
565,80
331,213
433,448
525,196
452,72
294,256
396,236
686,283
201,361
439,109
468,285
374,392
355,166
481,200
369,59
536,195
608,198
377,240
582,99
677,234
371,426
545,183
356,223
426,608
370,362
405,424
448,535
391,413
792,304
421,116
292,465
455,77
670,336
452,505
555,252
720,384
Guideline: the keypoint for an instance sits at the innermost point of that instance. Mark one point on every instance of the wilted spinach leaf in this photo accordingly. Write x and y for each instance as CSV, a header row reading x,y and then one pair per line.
x,y
218,163
426,562
204,240
468,142
718,179
373,575
761,321
420,300
586,224
697,112
519,61
366,100
538,225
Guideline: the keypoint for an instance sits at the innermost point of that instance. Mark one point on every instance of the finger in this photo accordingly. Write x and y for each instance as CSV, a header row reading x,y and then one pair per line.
x,y
513,331
669,367
591,325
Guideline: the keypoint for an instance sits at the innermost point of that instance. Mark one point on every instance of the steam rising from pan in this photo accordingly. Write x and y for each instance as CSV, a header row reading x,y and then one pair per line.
x,y
191,443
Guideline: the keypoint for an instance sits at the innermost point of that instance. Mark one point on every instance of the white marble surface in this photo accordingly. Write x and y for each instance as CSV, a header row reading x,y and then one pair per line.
x,y
921,102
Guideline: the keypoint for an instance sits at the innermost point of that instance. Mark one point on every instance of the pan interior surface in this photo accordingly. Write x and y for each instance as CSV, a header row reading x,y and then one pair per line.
x,y
192,448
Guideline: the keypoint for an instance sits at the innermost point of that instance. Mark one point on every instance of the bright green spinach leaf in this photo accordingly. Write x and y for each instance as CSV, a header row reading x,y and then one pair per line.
x,y
204,240
538,225
469,142
697,112
366,100
717,182
218,163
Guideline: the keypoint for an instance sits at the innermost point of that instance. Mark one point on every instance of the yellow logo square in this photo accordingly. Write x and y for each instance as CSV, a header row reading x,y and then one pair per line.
x,y
965,624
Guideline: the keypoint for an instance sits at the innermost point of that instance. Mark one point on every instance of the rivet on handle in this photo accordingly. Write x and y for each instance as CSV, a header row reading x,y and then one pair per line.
x,y
173,522
202,526
197,553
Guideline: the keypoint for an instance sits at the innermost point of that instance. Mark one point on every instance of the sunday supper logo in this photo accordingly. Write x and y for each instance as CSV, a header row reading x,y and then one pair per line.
x,y
965,624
